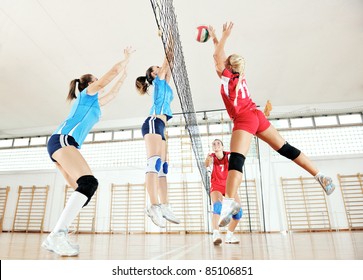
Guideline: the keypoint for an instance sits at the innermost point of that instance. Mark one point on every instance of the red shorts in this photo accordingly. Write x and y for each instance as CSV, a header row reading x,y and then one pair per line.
x,y
252,121
218,188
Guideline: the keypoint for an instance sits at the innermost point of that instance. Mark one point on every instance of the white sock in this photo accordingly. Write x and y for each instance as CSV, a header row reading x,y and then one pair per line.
x,y
70,211
230,233
317,175
215,231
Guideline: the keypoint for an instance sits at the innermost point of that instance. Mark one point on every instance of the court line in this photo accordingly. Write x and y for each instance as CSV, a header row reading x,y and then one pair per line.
x,y
182,251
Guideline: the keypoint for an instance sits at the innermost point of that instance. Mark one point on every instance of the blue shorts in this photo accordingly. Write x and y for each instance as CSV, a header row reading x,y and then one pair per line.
x,y
58,141
153,125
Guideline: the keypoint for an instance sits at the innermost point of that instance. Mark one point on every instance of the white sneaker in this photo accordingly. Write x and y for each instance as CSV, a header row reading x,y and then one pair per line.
x,y
57,242
229,208
47,246
154,212
216,238
326,183
168,214
231,239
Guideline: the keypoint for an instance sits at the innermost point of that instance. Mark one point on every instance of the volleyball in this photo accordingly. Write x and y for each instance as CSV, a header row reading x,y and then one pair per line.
x,y
202,34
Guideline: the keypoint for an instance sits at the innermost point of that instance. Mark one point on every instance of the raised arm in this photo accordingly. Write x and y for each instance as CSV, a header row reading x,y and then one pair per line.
x,y
219,53
106,98
208,161
212,34
111,74
165,71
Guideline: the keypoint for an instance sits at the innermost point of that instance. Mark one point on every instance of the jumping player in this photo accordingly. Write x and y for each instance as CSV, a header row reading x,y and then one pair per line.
x,y
153,131
219,161
63,148
248,121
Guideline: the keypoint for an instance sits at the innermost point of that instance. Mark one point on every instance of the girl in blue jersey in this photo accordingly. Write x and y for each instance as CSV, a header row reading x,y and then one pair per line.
x,y
156,148
63,148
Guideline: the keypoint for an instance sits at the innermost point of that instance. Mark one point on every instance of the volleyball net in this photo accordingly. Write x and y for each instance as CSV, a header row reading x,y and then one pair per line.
x,y
168,30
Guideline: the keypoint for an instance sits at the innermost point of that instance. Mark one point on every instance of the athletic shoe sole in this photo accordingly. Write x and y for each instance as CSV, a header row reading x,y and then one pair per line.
x,y
225,221
218,241
172,221
329,191
151,217
46,246
231,242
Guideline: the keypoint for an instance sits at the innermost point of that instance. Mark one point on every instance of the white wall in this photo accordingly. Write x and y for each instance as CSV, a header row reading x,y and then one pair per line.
x,y
272,170
56,182
275,168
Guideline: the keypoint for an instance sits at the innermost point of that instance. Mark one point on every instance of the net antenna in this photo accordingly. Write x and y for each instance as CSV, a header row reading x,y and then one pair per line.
x,y
168,30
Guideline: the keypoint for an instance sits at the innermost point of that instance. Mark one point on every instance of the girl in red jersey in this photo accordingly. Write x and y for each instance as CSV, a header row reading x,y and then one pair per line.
x,y
219,160
247,122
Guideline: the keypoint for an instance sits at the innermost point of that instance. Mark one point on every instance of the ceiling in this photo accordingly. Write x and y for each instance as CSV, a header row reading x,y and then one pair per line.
x,y
300,54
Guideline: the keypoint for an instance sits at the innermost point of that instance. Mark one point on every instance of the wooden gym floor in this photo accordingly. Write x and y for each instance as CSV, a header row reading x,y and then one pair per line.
x,y
341,245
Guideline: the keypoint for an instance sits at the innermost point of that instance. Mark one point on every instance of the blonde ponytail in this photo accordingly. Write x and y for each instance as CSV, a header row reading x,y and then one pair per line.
x,y
237,63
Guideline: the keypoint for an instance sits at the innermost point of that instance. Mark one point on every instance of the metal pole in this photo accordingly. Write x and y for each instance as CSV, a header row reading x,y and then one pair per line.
x,y
259,165
248,203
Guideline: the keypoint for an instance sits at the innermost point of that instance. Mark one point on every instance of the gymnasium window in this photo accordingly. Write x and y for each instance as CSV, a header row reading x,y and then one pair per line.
x,y
6,143
89,138
215,128
281,123
103,136
21,142
138,134
327,141
302,122
174,131
322,136
36,141
326,121
122,135
350,119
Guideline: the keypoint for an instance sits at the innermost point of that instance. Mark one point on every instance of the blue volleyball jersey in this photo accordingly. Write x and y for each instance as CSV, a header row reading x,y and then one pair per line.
x,y
162,97
85,113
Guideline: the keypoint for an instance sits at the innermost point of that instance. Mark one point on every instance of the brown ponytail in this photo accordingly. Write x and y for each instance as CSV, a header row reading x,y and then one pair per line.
x,y
142,83
82,84
72,90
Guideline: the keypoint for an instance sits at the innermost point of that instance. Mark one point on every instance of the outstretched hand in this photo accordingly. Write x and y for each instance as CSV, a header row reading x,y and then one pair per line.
x,y
128,51
227,29
212,32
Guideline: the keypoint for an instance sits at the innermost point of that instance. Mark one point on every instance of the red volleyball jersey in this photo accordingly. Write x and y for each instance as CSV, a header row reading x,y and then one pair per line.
x,y
220,169
235,103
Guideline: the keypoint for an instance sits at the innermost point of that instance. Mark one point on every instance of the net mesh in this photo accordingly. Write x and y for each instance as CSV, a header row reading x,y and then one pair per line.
x,y
168,30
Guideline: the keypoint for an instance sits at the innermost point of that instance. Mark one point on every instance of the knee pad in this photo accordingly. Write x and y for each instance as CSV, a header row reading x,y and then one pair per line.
x,y
238,216
217,207
164,169
153,164
289,151
236,161
87,185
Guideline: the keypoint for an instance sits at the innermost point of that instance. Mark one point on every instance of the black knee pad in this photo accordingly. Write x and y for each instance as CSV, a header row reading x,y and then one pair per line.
x,y
87,185
236,161
289,151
